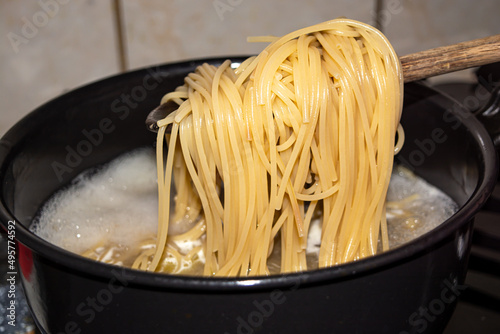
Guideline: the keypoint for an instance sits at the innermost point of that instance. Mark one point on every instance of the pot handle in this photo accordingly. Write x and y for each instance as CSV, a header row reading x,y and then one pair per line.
x,y
489,116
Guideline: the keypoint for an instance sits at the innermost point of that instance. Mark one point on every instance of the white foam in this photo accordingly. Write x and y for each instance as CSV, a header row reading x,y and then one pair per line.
x,y
118,203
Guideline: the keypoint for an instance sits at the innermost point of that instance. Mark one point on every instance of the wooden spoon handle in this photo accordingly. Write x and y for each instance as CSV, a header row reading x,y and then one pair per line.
x,y
446,59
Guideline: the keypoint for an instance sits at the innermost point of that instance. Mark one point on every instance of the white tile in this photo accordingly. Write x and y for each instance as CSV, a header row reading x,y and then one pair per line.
x,y
158,31
47,50
417,25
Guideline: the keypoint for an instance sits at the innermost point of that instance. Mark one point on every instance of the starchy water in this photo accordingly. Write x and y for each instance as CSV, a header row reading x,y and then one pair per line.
x,y
118,205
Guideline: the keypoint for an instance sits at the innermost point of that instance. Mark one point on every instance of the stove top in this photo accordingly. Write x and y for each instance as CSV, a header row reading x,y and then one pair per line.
x,y
478,309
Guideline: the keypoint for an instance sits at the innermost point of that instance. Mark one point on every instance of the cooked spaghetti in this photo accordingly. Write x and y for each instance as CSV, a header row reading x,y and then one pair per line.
x,y
305,128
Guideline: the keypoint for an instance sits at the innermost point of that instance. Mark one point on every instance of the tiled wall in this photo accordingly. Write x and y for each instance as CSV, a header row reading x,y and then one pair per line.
x,y
50,46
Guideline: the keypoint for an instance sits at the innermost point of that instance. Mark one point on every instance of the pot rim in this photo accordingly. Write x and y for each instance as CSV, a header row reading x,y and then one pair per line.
x,y
403,253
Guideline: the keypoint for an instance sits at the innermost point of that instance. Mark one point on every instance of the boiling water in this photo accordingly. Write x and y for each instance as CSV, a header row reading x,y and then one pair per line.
x,y
414,207
117,205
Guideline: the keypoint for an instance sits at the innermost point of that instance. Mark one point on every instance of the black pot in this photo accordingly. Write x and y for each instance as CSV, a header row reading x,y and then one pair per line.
x,y
412,288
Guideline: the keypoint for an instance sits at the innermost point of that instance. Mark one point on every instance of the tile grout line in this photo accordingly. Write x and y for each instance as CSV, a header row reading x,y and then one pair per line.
x,y
379,5
120,35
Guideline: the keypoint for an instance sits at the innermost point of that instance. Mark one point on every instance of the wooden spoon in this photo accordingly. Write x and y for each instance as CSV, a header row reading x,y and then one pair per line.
x,y
451,58
415,66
